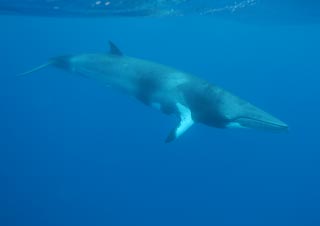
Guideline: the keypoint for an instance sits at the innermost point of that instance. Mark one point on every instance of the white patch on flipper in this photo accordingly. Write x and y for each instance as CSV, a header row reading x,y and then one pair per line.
x,y
185,120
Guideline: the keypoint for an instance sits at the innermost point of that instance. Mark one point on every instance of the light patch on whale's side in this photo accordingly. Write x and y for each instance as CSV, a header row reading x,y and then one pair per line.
x,y
235,125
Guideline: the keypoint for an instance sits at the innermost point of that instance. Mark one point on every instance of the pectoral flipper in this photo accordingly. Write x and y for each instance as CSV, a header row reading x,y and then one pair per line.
x,y
185,123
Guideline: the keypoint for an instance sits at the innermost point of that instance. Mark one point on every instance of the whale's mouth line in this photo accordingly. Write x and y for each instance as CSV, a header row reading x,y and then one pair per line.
x,y
263,122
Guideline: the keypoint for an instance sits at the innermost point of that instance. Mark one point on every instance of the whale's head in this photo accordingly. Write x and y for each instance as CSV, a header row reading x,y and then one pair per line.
x,y
258,119
216,107
242,114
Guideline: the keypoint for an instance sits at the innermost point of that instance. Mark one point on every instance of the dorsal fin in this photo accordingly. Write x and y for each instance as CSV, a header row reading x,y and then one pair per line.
x,y
114,50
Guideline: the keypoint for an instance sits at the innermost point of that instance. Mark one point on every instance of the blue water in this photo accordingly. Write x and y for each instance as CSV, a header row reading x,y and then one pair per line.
x,y
73,152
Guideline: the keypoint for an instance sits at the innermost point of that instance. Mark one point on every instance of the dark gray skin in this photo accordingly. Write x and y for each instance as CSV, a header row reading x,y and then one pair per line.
x,y
190,98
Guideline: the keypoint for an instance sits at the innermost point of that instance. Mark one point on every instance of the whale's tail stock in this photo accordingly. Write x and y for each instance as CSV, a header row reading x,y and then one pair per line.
x,y
38,68
60,62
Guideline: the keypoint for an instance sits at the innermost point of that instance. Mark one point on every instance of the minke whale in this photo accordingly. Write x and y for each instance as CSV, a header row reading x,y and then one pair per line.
x,y
173,92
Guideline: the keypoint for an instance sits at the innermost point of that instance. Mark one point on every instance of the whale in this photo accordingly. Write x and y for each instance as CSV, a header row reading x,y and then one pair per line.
x,y
191,99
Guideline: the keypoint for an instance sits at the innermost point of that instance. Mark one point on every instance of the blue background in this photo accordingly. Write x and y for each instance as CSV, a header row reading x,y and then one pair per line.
x,y
75,153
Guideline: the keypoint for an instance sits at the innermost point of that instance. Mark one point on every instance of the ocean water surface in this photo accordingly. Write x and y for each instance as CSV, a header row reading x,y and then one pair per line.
x,y
73,152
